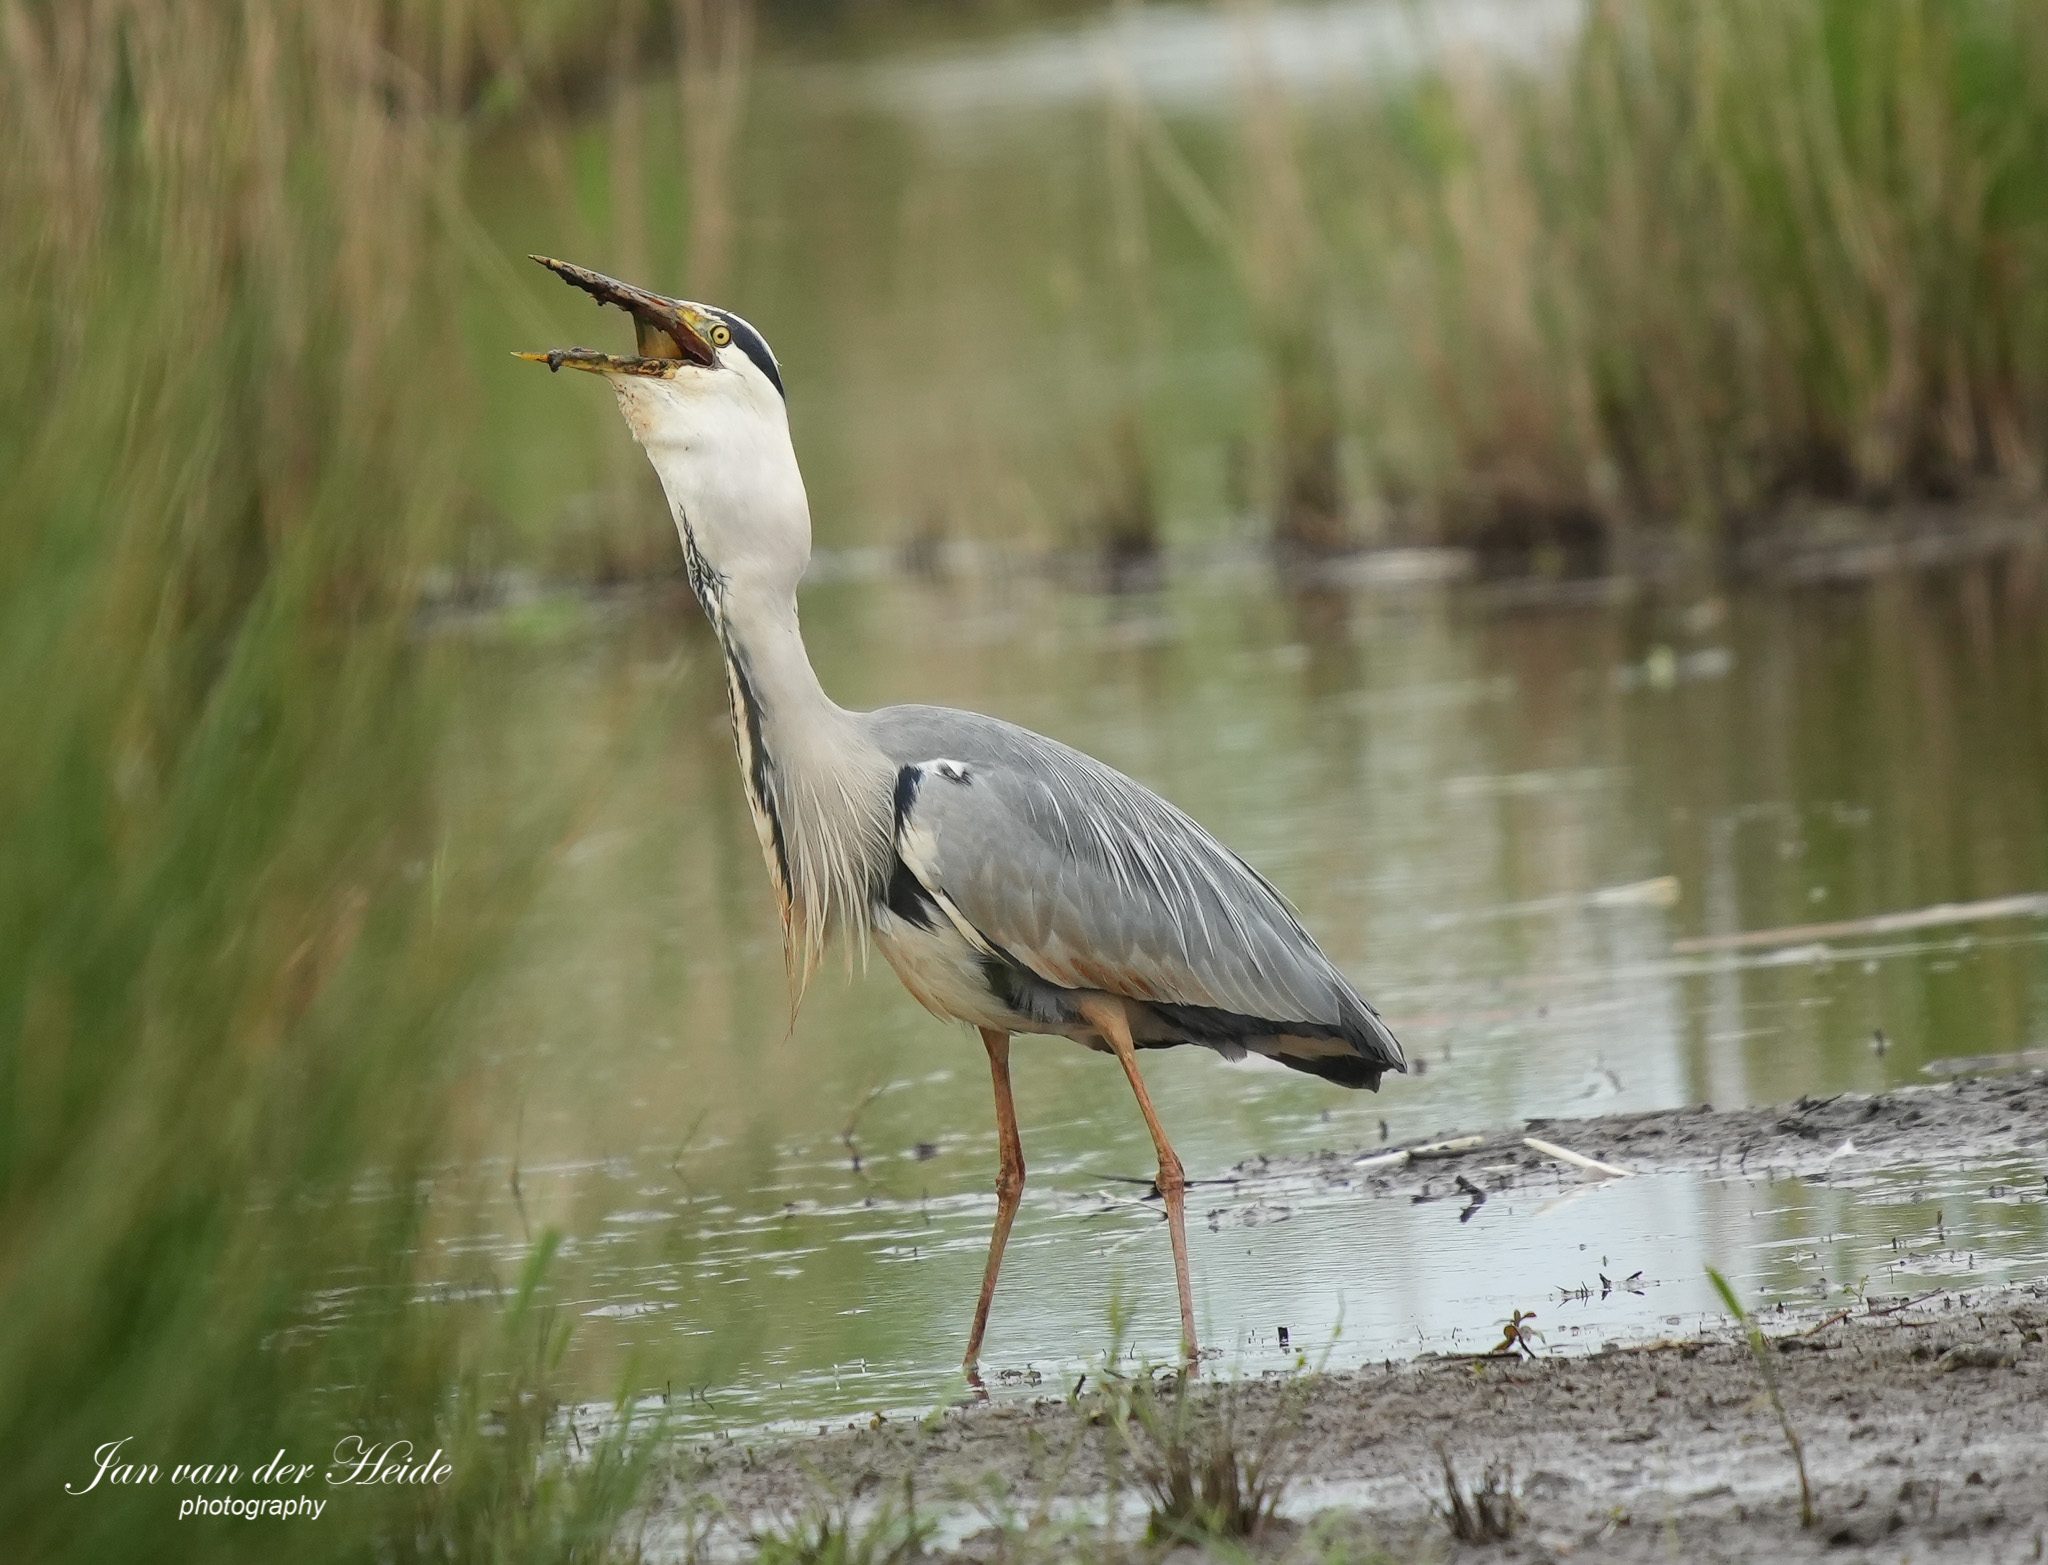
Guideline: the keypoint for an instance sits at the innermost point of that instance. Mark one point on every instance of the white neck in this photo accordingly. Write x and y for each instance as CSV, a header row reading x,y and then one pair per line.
x,y
820,792
760,623
818,789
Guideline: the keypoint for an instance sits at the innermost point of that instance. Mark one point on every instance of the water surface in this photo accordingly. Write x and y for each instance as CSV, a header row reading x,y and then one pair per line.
x,y
1512,825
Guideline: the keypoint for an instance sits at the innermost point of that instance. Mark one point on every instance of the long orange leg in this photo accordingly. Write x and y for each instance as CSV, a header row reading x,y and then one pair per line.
x,y
1009,1182
1108,1017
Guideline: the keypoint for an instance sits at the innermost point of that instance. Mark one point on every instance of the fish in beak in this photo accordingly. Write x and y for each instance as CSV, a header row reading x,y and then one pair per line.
x,y
669,333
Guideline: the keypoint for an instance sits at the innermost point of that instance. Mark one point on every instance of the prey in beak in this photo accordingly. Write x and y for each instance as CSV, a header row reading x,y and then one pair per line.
x,y
669,333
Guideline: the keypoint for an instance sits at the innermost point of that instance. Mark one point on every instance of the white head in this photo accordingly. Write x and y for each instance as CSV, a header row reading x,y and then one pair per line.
x,y
704,399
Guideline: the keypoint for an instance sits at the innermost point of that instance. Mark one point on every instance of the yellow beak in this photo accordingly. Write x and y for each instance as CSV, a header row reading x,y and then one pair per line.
x,y
668,332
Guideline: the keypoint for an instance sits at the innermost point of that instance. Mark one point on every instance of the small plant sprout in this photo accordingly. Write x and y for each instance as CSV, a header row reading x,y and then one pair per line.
x,y
836,1533
1518,1336
1490,1514
1205,1475
1760,1350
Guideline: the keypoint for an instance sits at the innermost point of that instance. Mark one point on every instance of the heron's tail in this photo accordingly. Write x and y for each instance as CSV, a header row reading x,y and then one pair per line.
x,y
1377,1051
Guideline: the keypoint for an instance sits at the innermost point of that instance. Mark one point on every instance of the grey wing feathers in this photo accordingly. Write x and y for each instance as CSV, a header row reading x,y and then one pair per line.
x,y
1092,881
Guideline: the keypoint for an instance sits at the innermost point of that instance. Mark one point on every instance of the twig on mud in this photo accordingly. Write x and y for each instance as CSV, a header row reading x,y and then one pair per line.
x,y
1820,1326
1689,1346
1906,1304
1457,1146
1591,1165
1760,1350
1381,1160
1871,1312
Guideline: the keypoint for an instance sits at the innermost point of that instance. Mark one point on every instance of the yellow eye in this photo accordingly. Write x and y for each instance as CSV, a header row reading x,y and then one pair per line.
x,y
720,335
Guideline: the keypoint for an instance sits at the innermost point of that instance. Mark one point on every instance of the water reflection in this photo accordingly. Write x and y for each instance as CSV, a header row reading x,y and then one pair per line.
x,y
1498,821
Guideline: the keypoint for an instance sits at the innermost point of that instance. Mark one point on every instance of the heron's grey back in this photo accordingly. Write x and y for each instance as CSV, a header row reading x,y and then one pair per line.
x,y
1093,881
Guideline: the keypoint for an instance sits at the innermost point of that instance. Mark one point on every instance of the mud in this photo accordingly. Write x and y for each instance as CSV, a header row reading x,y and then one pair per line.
x,y
1933,1126
1924,1419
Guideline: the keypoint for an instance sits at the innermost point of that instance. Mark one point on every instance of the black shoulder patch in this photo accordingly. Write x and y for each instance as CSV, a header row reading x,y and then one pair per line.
x,y
907,899
907,783
754,346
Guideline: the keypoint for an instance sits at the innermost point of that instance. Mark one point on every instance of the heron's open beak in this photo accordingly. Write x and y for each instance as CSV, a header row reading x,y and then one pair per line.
x,y
668,332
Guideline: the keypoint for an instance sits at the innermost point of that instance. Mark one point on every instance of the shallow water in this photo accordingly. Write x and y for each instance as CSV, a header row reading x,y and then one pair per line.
x,y
1509,824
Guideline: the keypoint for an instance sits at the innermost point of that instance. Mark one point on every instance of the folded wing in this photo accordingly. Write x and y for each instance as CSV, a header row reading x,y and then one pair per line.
x,y
1091,881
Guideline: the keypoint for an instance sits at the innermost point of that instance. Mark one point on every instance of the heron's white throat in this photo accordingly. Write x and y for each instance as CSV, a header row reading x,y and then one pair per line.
x,y
818,789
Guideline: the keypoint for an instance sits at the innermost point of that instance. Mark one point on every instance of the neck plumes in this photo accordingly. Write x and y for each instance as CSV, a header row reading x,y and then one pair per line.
x,y
818,790
820,793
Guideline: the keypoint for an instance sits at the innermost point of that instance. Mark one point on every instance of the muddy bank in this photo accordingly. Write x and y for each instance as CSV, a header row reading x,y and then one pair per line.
x,y
1924,1425
1975,1118
1924,1418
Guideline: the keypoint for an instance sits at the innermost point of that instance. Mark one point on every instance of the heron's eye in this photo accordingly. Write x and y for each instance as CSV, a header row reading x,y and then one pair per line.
x,y
720,336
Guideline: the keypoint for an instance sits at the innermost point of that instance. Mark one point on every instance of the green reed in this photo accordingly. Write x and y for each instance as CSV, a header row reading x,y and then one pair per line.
x,y
1730,260
237,922
1698,270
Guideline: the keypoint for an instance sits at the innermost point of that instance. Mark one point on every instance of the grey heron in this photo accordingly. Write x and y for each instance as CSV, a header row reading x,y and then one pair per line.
x,y
1011,882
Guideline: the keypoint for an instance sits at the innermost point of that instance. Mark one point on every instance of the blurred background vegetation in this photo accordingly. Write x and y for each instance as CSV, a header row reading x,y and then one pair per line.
x,y
1572,285
1620,279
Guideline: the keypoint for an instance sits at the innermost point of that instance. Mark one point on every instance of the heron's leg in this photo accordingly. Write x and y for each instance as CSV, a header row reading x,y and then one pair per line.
x,y
1009,1182
1108,1017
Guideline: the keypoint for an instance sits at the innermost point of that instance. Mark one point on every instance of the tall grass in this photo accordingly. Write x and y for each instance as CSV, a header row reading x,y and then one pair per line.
x,y
1663,287
236,929
1700,268
1731,258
